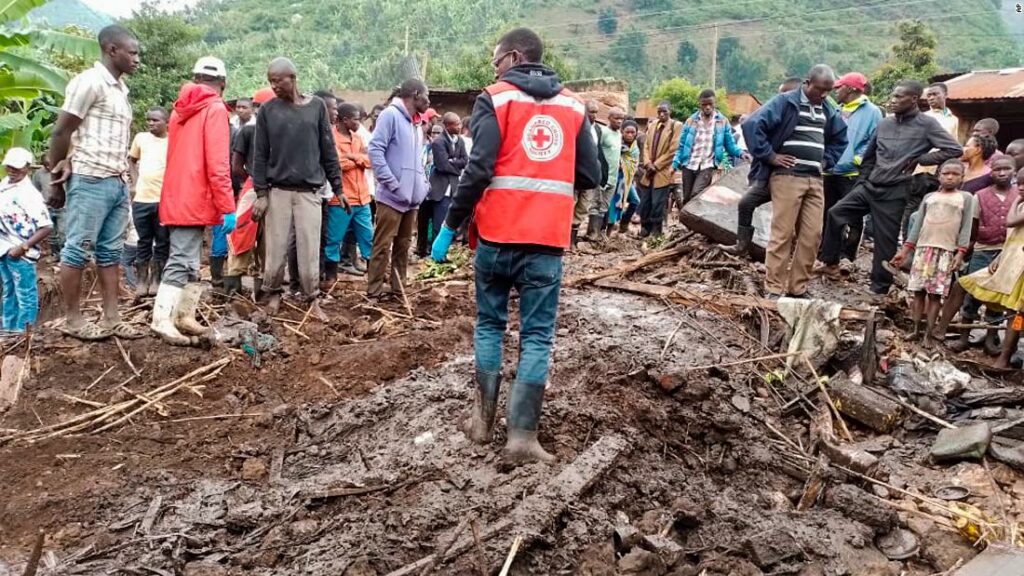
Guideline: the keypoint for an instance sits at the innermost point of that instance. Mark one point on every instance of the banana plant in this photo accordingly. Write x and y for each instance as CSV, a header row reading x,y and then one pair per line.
x,y
28,86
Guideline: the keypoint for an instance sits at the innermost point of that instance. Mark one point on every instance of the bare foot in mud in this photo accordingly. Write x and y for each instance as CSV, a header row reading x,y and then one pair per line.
x,y
317,313
523,448
273,304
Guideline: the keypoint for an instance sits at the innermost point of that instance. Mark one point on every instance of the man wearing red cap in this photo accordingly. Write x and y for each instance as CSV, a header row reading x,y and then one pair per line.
x,y
862,118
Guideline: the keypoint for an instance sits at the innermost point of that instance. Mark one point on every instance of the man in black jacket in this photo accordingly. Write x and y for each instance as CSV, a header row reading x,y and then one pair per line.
x,y
902,142
450,159
519,187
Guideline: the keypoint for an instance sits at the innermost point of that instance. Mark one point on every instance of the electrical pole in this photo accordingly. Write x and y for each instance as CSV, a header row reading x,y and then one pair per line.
x,y
714,57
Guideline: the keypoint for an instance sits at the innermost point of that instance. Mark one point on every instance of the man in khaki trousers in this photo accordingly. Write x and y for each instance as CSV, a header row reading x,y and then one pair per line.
x,y
793,139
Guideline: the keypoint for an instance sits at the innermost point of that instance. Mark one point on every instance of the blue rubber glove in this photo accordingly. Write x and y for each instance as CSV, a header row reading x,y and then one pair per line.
x,y
439,251
229,223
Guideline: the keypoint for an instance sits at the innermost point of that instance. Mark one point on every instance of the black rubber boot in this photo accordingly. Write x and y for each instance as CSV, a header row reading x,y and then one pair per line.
x,y
524,407
141,279
744,238
626,217
479,426
572,237
217,271
330,271
594,228
232,285
156,274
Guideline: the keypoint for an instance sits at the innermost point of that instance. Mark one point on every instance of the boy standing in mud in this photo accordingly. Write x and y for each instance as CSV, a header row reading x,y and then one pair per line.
x,y
531,149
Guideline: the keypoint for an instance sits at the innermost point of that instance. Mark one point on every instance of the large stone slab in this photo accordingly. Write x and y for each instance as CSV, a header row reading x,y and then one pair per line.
x,y
996,560
713,212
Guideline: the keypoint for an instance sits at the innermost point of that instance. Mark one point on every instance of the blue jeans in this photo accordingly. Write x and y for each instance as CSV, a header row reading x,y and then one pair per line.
x,y
219,245
96,219
21,301
537,278
338,222
969,311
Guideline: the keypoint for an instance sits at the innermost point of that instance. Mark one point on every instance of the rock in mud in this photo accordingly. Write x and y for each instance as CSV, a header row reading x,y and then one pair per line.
x,y
1012,456
996,559
243,517
943,549
669,382
771,547
361,567
953,444
253,469
670,551
861,506
640,562
303,528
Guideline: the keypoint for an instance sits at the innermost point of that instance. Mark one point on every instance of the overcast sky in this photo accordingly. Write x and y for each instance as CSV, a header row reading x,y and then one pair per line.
x,y
123,8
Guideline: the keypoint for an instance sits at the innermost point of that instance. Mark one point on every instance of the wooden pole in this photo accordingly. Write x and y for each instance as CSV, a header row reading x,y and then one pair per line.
x,y
714,57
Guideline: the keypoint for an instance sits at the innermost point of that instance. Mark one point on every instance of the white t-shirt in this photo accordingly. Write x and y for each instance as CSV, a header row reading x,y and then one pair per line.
x,y
22,214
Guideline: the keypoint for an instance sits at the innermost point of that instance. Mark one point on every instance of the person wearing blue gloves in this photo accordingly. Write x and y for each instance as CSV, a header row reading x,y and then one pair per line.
x,y
519,190
196,193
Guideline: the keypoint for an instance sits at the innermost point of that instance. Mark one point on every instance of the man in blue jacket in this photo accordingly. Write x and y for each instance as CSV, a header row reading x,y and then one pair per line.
x,y
706,137
794,138
862,118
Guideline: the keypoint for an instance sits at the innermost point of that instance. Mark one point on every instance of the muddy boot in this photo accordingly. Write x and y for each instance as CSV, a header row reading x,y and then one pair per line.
x,y
479,426
593,228
524,406
992,345
744,237
217,271
141,279
185,311
330,275
572,237
232,285
167,297
156,273
257,288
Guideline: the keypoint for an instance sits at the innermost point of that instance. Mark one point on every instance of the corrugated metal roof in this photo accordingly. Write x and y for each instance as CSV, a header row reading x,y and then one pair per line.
x,y
987,85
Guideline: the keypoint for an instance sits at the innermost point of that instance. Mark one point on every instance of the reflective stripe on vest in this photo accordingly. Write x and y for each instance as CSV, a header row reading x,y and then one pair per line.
x,y
530,197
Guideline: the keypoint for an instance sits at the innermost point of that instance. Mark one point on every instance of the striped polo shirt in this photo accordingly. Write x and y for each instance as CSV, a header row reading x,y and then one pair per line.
x,y
807,143
100,145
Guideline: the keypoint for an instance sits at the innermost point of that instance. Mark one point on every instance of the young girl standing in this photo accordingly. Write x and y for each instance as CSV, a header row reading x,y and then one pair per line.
x,y
940,235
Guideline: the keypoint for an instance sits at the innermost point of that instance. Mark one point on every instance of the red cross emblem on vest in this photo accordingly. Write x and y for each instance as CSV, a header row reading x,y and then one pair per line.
x,y
542,138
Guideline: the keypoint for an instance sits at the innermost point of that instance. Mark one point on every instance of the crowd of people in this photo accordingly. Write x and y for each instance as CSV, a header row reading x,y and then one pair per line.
x,y
296,186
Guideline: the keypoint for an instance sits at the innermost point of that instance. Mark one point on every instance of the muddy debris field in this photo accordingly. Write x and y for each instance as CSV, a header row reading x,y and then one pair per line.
x,y
685,445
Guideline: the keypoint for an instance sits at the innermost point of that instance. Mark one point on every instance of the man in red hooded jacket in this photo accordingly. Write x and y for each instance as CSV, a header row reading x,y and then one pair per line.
x,y
196,193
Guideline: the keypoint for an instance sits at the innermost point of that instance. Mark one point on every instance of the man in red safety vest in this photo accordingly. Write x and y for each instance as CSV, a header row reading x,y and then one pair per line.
x,y
531,148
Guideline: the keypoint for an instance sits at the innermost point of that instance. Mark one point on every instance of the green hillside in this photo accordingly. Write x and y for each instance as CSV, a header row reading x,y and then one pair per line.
x,y
359,44
61,13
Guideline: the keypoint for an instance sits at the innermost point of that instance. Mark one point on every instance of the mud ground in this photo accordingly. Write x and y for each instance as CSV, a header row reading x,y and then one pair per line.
x,y
341,454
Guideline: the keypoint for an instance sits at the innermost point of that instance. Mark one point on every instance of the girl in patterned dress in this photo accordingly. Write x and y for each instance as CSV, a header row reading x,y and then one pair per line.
x,y
940,234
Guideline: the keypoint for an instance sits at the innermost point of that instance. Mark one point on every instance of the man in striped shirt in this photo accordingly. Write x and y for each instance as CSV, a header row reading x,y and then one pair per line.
x,y
96,118
794,138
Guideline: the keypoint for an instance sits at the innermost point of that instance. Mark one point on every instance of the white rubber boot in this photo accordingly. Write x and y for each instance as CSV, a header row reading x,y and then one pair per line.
x,y
163,307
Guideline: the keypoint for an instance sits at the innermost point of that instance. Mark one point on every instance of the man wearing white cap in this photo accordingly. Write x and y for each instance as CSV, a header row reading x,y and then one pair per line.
x,y
196,193
24,223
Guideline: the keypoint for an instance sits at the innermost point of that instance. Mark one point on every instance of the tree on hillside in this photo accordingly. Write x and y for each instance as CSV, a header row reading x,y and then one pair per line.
x,y
686,56
170,46
629,50
740,72
607,22
913,58
683,97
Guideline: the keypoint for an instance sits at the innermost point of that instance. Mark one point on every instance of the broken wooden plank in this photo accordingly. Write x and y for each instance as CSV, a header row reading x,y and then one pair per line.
x,y
150,518
542,508
865,405
625,268
716,301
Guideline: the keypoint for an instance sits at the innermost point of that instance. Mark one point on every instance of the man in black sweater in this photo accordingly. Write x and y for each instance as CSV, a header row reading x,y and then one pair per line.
x,y
901,143
294,156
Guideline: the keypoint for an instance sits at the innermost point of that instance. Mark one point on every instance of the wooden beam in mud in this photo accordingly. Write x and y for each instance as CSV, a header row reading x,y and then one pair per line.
x,y
675,249
541,509
719,302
